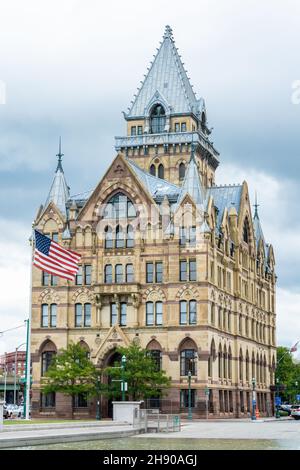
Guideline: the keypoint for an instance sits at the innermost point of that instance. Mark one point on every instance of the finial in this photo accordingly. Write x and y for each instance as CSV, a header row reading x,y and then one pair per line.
x,y
59,155
168,32
256,206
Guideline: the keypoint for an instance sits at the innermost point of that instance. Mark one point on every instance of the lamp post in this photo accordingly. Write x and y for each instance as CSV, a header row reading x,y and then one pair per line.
x,y
190,395
253,417
98,410
123,364
15,372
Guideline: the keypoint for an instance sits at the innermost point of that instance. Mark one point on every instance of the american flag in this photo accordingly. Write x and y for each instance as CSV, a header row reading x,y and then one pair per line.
x,y
49,256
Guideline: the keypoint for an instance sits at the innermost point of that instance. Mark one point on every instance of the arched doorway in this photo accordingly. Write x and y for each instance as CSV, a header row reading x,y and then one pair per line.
x,y
113,358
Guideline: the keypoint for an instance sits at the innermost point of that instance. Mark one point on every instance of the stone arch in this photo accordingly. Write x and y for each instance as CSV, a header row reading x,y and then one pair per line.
x,y
47,345
154,345
187,293
154,294
49,296
83,295
110,191
84,345
187,343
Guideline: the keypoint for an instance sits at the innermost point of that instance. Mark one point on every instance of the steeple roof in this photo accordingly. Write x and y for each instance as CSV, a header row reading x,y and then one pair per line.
x,y
192,184
257,226
166,80
59,190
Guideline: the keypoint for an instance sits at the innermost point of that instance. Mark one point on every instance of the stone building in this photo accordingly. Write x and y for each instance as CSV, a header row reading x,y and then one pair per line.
x,y
169,260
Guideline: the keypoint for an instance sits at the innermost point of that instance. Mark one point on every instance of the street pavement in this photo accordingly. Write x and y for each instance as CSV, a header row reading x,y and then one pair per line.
x,y
234,429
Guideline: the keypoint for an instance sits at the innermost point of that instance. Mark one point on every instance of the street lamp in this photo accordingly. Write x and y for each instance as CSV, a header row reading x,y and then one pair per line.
x,y
98,411
253,417
190,395
123,364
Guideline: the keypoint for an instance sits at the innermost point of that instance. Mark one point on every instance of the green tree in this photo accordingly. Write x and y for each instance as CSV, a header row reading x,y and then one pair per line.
x,y
71,373
288,374
143,377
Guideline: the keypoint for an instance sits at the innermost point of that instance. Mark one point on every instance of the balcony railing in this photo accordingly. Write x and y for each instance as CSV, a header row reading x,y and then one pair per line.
x,y
171,138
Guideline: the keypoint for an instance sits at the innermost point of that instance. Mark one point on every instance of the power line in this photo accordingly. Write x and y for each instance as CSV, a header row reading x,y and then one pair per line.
x,y
11,329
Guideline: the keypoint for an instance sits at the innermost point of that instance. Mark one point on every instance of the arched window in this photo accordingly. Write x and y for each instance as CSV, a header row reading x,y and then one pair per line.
x,y
161,171
47,355
129,273
119,273
120,241
158,119
229,363
220,363
253,367
225,363
246,231
153,170
247,366
188,361
211,359
241,365
108,237
118,207
130,237
108,274
181,171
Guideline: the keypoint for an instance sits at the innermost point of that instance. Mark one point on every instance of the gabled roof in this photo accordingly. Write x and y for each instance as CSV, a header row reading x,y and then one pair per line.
x,y
192,184
166,78
225,197
59,190
157,187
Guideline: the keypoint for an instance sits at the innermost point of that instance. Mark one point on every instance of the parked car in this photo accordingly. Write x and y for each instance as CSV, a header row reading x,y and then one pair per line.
x,y
14,411
286,407
295,411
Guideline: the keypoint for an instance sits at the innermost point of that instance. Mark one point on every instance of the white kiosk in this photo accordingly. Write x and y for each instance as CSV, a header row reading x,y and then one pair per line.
x,y
123,411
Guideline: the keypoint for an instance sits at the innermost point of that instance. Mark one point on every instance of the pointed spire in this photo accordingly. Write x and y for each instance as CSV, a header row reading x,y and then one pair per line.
x,y
59,190
59,155
167,77
256,207
192,184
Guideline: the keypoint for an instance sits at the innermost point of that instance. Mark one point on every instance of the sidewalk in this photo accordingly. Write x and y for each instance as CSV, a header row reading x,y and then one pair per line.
x,y
27,435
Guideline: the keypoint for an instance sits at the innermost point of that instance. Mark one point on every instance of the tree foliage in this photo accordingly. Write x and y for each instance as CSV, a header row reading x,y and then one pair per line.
x,y
143,377
288,374
71,372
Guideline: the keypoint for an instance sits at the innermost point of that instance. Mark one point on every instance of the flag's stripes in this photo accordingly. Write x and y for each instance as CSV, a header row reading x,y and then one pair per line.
x,y
53,263
65,260
69,253
54,259
53,271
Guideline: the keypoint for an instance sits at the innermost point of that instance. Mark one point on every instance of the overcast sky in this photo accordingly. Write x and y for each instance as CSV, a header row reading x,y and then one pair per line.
x,y
71,67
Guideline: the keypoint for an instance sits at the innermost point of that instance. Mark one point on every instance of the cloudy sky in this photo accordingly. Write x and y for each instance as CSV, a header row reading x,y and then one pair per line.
x,y
71,67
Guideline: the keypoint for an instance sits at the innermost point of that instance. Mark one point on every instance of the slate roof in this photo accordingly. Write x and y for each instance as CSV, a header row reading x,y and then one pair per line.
x,y
157,187
225,197
168,78
59,190
192,184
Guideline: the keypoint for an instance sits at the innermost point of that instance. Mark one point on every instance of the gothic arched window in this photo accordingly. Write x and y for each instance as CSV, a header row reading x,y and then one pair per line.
x,y
152,170
246,231
161,171
181,171
158,119
118,207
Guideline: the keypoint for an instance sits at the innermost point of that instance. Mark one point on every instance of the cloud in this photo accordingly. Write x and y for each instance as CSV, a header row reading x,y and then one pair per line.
x,y
14,281
288,319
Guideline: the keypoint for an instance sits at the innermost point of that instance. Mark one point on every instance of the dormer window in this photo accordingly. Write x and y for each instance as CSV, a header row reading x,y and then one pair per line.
x,y
158,119
246,231
133,130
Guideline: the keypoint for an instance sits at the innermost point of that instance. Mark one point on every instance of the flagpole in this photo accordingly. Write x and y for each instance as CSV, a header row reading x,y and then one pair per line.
x,y
28,338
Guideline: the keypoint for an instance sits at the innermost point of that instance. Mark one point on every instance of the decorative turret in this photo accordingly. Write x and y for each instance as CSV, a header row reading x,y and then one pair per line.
x,y
59,191
192,184
257,226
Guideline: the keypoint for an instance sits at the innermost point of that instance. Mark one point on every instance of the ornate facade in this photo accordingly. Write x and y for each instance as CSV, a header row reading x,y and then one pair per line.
x,y
169,260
